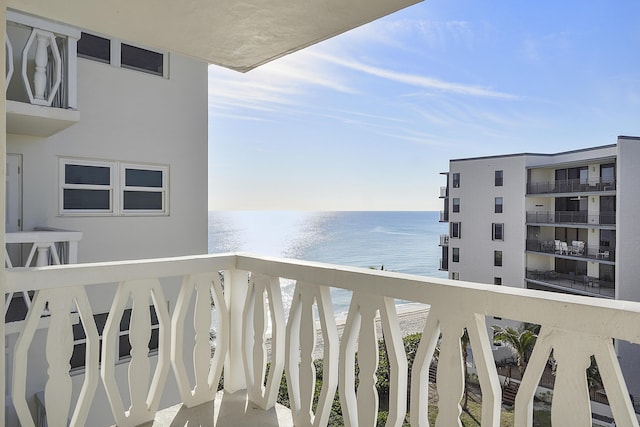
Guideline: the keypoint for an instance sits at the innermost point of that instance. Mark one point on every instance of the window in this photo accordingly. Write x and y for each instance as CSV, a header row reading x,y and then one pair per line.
x,y
497,280
456,180
95,48
497,258
456,204
497,231
136,58
124,347
498,178
498,205
122,55
456,228
86,186
455,276
143,189
455,254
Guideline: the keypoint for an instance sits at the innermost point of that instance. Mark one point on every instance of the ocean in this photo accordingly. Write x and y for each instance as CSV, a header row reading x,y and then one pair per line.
x,y
405,242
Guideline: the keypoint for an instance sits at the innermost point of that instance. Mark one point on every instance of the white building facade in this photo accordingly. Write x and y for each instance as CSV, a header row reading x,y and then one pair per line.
x,y
561,222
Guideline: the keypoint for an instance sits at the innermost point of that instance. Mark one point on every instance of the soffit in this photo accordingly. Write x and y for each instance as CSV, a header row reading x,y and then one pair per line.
x,y
237,34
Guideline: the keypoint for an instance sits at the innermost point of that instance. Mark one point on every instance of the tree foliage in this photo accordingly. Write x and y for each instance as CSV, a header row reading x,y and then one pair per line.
x,y
521,342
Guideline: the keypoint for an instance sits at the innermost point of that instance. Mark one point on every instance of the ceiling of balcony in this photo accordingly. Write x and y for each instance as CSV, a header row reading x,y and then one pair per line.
x,y
238,34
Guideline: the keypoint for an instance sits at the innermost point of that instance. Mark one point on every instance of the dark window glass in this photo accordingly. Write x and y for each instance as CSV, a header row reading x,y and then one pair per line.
x,y
498,205
78,356
89,175
456,229
497,280
456,255
126,320
497,258
456,205
76,199
142,200
154,340
136,58
456,180
498,179
498,230
94,47
143,178
124,346
101,320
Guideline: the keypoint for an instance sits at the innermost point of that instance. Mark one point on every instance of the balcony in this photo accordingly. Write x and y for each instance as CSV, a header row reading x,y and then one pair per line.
x,y
572,249
246,291
571,217
40,76
572,186
576,283
444,192
444,240
444,216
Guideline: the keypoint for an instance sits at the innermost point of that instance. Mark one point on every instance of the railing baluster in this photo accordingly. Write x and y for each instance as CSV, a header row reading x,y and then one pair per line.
x,y
450,376
420,370
300,343
207,370
264,395
58,350
144,401
361,319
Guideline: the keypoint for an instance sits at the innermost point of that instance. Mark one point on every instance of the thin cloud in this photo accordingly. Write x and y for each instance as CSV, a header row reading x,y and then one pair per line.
x,y
417,80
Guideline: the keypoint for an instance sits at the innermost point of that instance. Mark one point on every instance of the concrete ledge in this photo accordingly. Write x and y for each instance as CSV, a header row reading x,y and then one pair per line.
x,y
227,410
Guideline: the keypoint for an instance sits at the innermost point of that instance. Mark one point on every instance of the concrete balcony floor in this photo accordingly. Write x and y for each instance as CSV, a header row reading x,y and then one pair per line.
x,y
227,410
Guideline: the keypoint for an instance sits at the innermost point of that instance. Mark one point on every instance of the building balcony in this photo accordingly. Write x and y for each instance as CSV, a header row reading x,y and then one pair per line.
x,y
246,291
444,192
571,217
574,249
571,186
444,216
41,75
572,282
444,240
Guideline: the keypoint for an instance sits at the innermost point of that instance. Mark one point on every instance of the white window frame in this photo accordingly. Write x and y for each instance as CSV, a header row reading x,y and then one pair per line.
x,y
116,51
124,187
64,186
116,188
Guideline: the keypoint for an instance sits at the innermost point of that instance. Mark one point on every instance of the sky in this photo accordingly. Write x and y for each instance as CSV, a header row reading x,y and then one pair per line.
x,y
368,120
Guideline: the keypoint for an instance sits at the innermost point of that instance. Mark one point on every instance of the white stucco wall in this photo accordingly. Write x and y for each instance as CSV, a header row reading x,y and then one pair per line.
x,y
132,117
477,194
128,116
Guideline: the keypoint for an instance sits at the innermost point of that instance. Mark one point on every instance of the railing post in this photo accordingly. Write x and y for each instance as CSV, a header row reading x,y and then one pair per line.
x,y
236,284
73,252
3,162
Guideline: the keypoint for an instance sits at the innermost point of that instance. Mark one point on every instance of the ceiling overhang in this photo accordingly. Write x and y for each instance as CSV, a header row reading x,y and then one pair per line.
x,y
237,34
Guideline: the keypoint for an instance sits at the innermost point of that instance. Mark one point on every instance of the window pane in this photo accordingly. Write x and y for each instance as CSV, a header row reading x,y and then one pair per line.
x,y
141,59
86,199
498,205
143,200
498,179
126,320
456,180
154,340
497,258
143,178
94,47
124,347
90,175
78,356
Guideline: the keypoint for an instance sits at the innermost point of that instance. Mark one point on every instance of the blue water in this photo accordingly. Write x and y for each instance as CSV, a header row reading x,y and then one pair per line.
x,y
405,242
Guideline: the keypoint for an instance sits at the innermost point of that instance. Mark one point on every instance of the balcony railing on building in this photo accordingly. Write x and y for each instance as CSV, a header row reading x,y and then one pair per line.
x,y
575,248
581,283
444,240
573,327
444,192
41,75
444,216
571,217
571,186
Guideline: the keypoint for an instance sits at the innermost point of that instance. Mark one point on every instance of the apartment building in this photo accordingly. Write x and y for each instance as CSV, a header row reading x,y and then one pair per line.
x,y
563,222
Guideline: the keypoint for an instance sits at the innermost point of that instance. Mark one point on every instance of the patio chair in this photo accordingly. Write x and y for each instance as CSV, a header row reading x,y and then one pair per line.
x,y
564,248
558,246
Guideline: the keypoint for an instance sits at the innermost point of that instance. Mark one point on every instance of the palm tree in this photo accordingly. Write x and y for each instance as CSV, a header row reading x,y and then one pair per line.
x,y
520,341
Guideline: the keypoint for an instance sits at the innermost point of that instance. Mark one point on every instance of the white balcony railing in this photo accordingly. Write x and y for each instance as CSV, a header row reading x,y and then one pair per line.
x,y
41,75
573,327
